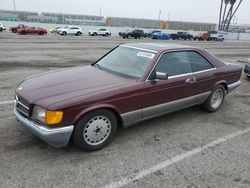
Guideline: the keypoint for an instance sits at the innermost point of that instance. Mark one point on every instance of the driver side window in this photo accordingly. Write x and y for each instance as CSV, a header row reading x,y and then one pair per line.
x,y
174,63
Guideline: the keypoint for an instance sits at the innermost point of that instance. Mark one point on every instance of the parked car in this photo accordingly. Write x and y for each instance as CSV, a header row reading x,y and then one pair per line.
x,y
136,33
160,36
201,36
15,28
101,31
32,31
131,83
149,35
54,30
247,69
70,30
2,28
217,35
181,35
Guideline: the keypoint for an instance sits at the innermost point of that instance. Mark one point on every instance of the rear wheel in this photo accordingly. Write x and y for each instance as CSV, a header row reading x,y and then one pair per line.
x,y
95,130
215,99
95,34
64,33
41,33
106,35
78,33
14,31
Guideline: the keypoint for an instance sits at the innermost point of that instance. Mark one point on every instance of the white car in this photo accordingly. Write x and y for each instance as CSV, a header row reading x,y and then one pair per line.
x,y
101,31
70,30
2,27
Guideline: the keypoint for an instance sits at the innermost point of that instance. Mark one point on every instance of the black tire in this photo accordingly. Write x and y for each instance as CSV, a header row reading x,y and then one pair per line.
x,y
106,35
81,133
248,77
78,33
94,34
64,33
1,29
41,33
209,105
14,31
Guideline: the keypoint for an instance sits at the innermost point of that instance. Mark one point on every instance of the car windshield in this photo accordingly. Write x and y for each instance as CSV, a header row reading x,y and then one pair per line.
x,y
126,61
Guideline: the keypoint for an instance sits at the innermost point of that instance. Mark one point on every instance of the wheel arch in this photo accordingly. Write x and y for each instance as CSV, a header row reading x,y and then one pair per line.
x,y
111,108
223,83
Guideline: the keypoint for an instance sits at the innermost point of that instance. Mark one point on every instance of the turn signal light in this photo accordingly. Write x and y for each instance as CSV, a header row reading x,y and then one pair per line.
x,y
53,117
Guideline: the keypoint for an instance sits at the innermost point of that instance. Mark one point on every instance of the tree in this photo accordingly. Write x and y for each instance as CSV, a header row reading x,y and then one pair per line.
x,y
228,14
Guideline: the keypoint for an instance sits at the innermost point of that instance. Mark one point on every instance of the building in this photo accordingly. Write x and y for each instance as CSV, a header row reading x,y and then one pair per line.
x,y
11,15
159,24
76,19
135,22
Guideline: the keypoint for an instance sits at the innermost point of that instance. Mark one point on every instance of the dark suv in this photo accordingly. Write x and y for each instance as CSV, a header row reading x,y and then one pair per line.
x,y
182,35
133,34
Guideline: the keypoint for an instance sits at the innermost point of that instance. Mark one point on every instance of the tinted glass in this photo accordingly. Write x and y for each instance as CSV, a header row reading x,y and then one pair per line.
x,y
127,61
174,63
198,62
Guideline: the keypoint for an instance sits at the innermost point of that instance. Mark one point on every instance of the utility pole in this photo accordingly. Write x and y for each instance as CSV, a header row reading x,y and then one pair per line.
x,y
160,14
100,11
14,4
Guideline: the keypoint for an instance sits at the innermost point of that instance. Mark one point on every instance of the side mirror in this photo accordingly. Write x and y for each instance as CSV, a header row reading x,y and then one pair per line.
x,y
161,75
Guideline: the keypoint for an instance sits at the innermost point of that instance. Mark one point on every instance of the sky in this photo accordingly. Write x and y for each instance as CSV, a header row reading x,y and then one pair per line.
x,y
178,10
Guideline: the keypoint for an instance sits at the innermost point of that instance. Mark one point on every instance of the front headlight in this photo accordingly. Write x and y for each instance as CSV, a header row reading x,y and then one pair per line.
x,y
46,116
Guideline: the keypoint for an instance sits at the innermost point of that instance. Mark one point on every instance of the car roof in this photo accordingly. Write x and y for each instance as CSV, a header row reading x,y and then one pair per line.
x,y
158,47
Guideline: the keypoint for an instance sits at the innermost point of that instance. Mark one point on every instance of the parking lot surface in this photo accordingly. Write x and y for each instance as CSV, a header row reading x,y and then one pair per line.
x,y
188,148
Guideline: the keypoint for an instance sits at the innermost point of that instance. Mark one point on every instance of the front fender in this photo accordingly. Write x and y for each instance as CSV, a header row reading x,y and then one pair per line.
x,y
95,107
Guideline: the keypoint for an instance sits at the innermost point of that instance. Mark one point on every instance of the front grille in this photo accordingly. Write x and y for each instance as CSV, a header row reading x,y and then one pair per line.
x,y
22,106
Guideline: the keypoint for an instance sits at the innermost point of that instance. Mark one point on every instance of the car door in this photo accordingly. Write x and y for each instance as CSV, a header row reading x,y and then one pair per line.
x,y
176,92
204,71
71,30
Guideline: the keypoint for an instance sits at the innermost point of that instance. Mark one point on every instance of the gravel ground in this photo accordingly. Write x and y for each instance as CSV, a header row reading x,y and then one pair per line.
x,y
26,161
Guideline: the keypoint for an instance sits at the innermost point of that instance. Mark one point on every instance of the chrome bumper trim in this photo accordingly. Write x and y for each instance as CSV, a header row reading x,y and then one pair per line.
x,y
57,137
233,86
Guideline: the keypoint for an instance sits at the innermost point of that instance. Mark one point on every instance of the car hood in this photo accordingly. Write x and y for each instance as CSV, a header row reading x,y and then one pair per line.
x,y
56,86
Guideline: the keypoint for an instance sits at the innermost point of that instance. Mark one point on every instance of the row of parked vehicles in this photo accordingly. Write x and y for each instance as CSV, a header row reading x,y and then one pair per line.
x,y
67,30
136,33
157,34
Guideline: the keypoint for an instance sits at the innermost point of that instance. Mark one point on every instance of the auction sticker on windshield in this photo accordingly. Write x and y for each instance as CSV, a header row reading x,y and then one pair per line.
x,y
146,54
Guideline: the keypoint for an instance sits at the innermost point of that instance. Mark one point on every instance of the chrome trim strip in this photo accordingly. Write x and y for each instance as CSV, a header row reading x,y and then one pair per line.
x,y
147,50
132,117
23,105
56,136
180,50
233,86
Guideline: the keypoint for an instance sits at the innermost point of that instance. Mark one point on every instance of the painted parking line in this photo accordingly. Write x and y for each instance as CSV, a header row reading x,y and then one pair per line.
x,y
126,180
7,118
7,102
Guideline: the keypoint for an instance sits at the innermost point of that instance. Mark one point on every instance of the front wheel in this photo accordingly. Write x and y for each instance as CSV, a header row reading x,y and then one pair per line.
x,y
78,33
215,99
95,130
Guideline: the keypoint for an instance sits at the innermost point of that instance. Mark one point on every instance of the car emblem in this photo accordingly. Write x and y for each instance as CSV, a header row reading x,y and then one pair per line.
x,y
20,88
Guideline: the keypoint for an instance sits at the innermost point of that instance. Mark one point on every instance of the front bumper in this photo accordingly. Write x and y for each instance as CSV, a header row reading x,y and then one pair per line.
x,y
57,136
247,69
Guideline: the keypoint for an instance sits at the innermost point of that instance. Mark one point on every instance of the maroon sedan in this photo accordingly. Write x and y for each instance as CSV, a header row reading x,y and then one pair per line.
x,y
131,83
32,31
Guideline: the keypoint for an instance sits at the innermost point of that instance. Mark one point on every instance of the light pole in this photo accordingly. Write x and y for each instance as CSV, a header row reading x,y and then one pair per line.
x,y
14,4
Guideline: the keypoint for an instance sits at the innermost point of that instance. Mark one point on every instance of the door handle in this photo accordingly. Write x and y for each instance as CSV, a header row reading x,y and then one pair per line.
x,y
191,80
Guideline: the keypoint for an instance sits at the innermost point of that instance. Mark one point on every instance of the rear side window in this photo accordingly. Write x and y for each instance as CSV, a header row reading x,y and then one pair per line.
x,y
198,62
174,63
